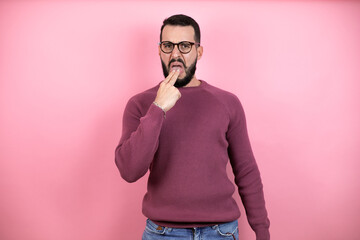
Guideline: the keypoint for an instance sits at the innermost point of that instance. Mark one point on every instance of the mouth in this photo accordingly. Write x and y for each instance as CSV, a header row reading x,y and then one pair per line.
x,y
177,65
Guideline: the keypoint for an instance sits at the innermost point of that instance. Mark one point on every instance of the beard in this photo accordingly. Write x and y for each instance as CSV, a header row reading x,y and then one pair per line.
x,y
189,72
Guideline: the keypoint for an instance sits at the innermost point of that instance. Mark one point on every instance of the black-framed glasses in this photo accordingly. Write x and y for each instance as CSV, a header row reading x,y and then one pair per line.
x,y
184,46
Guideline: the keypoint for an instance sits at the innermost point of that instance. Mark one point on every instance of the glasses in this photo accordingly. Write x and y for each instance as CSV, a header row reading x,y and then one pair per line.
x,y
184,46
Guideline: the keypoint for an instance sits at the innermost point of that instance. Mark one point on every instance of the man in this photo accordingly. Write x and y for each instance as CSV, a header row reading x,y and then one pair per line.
x,y
185,131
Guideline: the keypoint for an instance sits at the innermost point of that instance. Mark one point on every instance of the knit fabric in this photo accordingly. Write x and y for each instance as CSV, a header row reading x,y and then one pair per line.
x,y
187,153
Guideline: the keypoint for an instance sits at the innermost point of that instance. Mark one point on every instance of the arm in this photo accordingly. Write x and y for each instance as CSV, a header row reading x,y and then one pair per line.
x,y
140,136
139,141
247,175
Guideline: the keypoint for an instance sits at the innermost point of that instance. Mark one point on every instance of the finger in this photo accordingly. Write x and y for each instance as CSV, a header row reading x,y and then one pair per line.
x,y
167,79
174,77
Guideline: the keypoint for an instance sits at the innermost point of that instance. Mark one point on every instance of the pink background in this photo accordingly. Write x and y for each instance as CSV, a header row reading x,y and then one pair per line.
x,y
67,69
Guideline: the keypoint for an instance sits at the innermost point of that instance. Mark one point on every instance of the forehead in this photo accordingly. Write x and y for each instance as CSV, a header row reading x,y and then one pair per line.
x,y
177,34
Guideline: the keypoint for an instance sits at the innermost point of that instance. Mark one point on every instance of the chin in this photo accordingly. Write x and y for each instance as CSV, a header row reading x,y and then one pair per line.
x,y
182,82
182,76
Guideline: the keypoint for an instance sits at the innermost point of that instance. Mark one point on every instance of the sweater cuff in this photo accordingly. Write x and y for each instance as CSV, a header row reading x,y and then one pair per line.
x,y
155,111
263,234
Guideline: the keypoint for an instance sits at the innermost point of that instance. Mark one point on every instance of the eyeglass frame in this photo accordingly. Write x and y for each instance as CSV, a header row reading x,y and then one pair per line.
x,y
177,44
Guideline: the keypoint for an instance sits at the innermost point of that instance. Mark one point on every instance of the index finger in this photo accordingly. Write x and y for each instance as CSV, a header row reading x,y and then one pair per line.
x,y
168,78
174,77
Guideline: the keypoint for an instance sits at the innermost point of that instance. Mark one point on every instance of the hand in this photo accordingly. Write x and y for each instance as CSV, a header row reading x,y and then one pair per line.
x,y
167,94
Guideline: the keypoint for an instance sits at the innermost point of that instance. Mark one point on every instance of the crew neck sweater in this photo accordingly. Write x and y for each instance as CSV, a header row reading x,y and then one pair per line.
x,y
187,150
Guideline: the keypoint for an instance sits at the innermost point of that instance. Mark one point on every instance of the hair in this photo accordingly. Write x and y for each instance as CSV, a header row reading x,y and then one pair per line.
x,y
182,20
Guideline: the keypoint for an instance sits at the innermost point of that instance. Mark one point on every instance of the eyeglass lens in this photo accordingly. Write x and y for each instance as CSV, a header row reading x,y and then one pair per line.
x,y
168,47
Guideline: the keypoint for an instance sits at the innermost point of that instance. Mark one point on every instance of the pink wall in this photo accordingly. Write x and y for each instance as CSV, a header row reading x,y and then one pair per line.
x,y
67,69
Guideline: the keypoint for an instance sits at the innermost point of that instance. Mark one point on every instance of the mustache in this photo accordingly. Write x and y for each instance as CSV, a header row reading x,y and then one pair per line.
x,y
176,60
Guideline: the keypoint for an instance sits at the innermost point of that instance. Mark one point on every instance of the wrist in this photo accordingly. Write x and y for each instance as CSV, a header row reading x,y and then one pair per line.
x,y
156,104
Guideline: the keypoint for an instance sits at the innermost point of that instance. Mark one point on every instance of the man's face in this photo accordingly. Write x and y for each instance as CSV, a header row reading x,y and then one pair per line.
x,y
177,60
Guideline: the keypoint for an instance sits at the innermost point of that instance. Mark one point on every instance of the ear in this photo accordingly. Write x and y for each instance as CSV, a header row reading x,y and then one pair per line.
x,y
200,52
159,50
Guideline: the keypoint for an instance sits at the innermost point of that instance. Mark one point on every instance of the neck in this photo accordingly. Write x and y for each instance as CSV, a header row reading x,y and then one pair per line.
x,y
193,83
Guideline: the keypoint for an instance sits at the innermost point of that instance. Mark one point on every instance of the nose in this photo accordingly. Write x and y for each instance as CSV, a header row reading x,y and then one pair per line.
x,y
175,52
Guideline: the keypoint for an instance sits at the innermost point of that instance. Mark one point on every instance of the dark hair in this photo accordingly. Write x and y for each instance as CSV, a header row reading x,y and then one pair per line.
x,y
182,20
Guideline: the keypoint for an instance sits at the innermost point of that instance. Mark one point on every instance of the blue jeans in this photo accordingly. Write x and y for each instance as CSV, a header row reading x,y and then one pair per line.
x,y
216,232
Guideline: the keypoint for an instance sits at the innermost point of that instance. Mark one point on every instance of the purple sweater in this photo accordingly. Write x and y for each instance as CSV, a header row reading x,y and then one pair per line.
x,y
187,152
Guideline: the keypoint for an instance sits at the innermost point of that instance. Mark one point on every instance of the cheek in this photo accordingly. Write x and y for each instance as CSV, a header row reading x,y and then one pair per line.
x,y
164,59
189,60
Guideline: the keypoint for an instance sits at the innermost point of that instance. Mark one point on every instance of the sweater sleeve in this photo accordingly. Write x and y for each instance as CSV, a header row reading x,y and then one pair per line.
x,y
246,172
139,140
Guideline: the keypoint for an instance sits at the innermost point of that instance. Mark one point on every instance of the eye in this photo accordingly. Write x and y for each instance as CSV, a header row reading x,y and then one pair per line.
x,y
167,45
185,45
